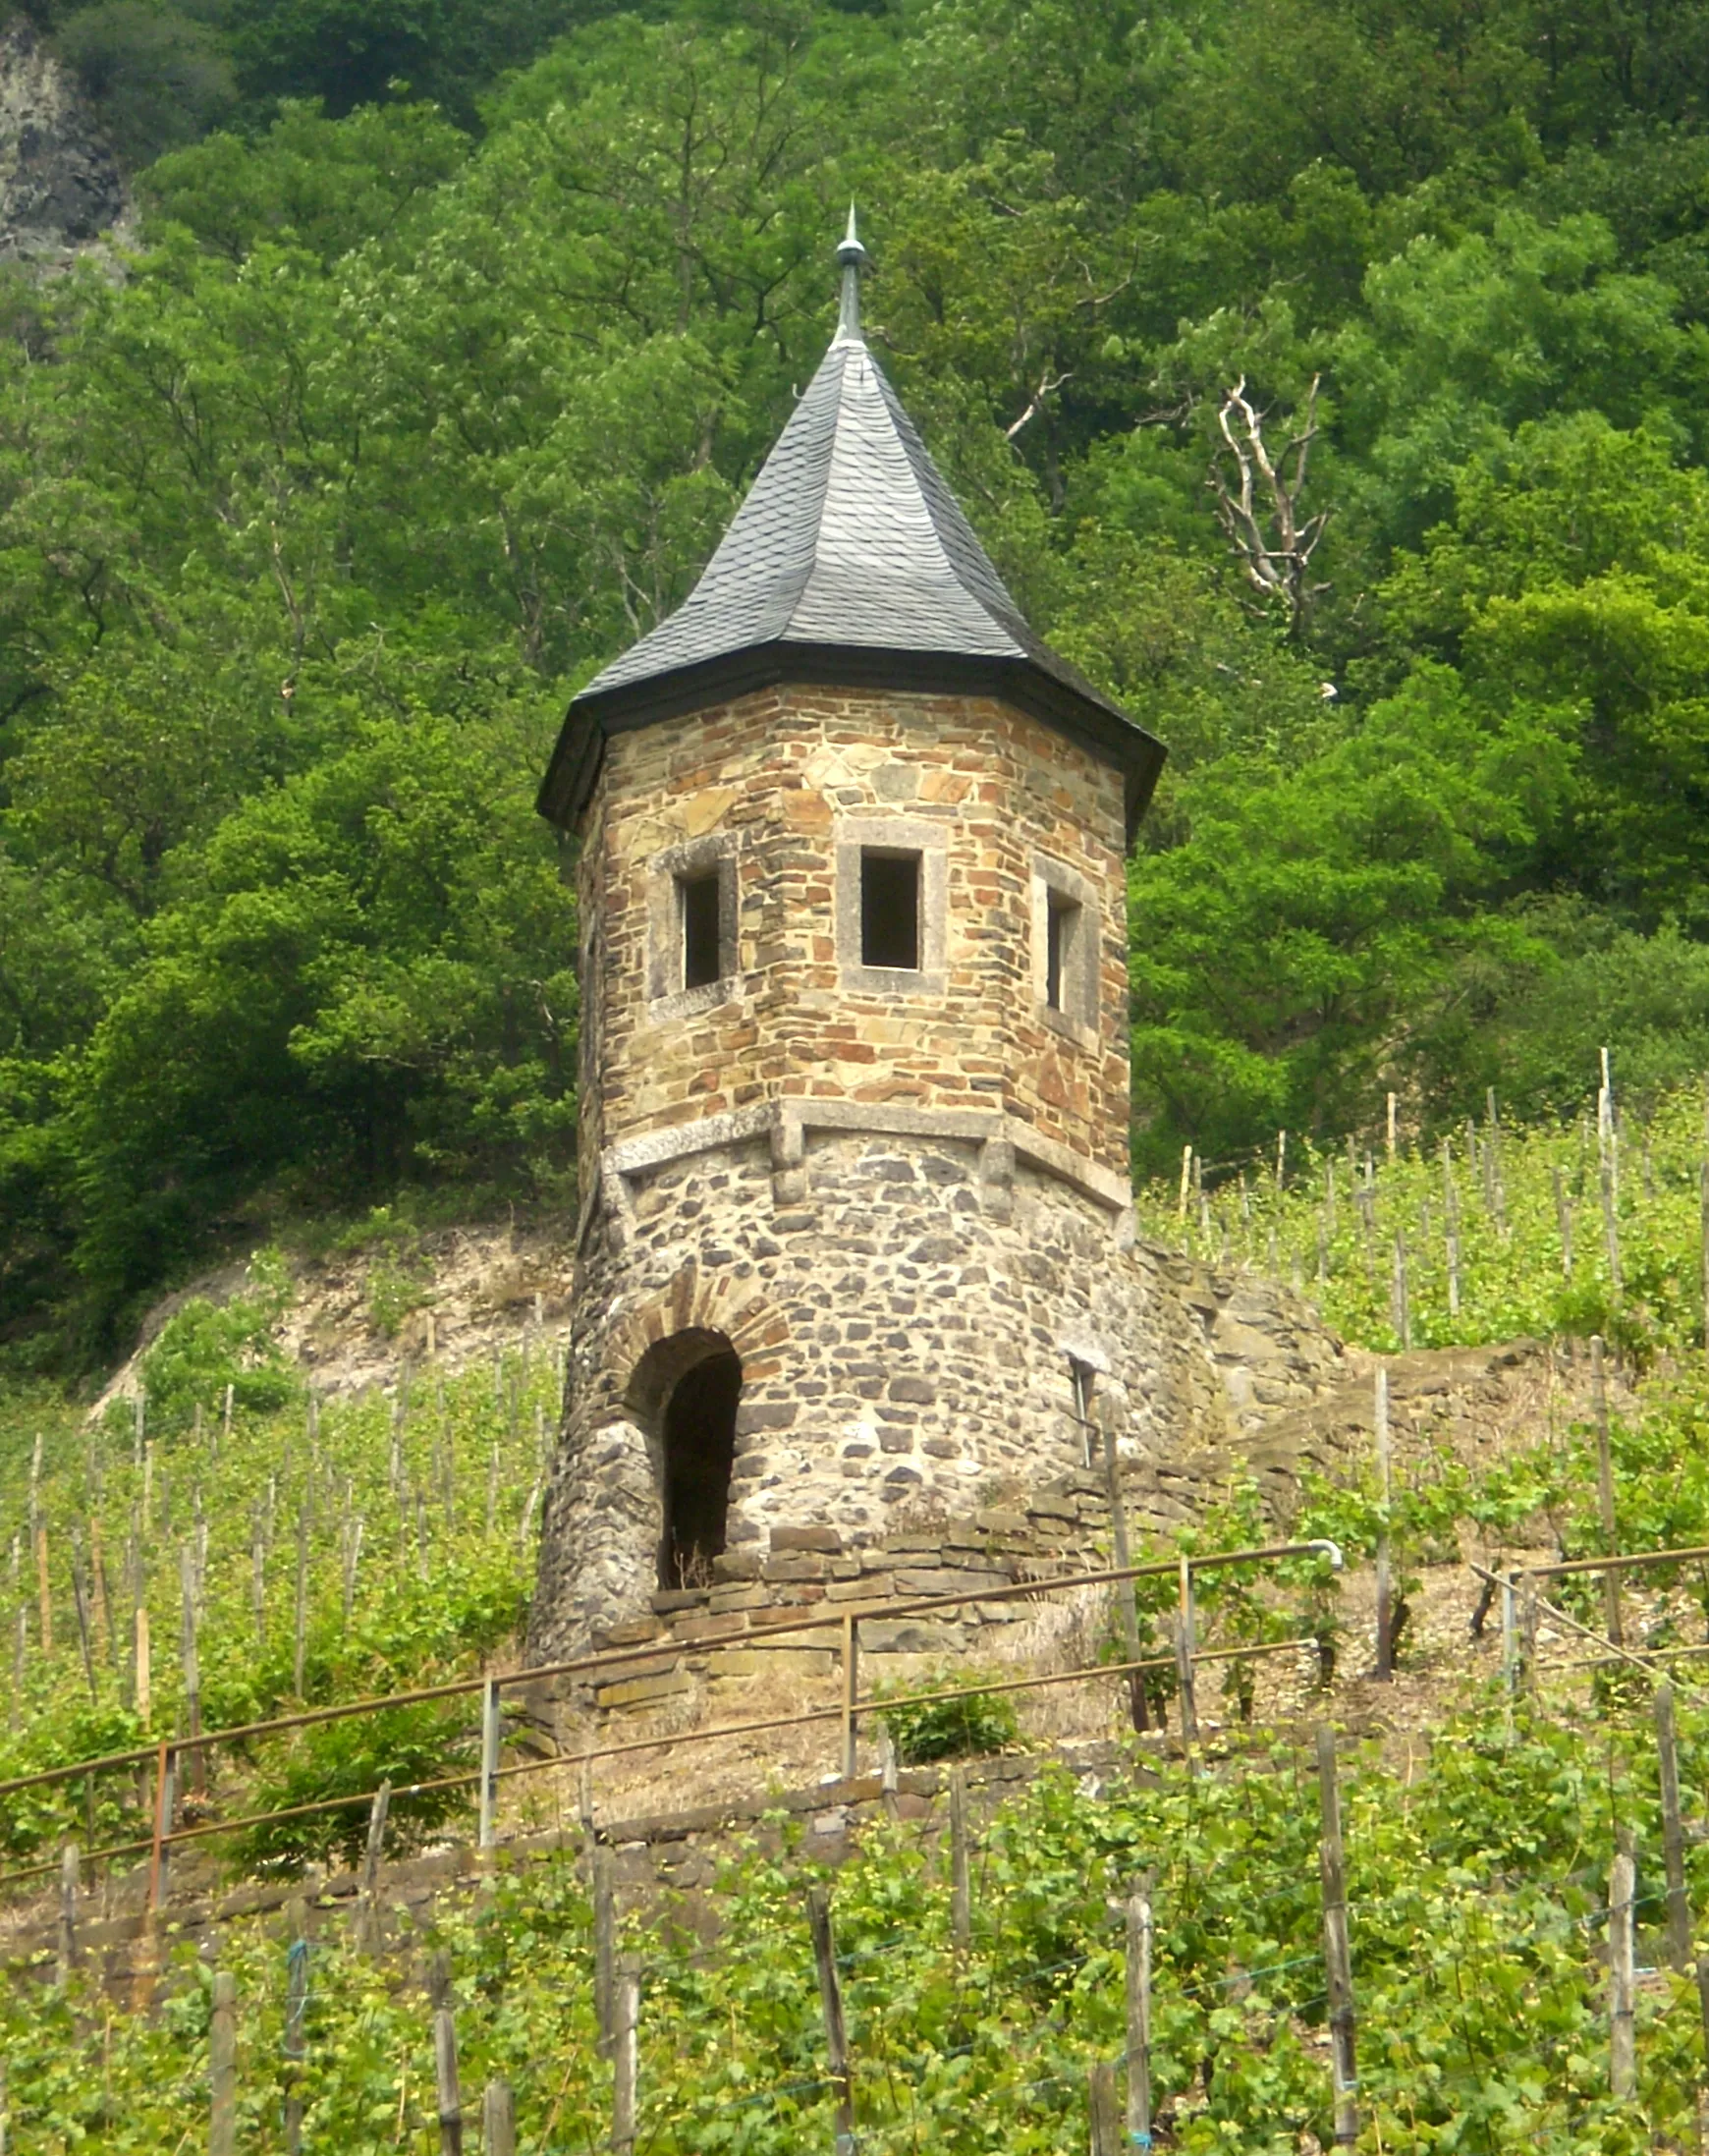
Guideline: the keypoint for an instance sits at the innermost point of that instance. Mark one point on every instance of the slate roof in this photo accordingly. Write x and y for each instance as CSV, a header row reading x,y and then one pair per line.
x,y
850,562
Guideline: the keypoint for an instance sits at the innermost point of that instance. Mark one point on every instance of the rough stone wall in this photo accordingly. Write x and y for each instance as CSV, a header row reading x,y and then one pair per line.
x,y
906,1346
782,775
59,182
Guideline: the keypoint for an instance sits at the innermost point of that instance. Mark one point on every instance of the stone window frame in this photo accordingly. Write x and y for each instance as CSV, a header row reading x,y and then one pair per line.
x,y
668,871
857,834
1077,1017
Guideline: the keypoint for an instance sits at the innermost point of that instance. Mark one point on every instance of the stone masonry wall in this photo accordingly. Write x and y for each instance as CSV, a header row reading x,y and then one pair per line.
x,y
906,1346
900,1195
780,779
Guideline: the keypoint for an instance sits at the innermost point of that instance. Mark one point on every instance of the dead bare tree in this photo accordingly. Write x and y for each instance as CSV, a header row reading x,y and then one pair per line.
x,y
1261,513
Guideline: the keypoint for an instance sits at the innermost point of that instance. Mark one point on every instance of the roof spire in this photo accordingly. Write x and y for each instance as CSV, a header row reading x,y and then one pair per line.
x,y
850,255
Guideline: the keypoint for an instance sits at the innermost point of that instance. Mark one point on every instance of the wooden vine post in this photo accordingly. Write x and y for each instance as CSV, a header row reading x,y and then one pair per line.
x,y
143,1661
296,2046
1337,1955
1385,1583
1605,1490
222,2054
1680,1952
604,1950
625,2057
195,1759
1140,2019
1672,1830
498,2121
1703,1242
369,1923
836,2035
448,2089
1101,2105
300,1614
960,1885
1622,1976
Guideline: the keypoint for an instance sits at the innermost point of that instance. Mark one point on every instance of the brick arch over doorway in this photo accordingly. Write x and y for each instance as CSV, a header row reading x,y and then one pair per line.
x,y
607,1542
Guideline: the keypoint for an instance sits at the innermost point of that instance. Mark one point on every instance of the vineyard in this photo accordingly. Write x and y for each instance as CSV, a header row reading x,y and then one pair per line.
x,y
237,1547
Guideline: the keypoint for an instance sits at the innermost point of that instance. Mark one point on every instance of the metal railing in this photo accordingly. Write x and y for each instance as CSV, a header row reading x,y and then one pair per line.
x,y
766,1627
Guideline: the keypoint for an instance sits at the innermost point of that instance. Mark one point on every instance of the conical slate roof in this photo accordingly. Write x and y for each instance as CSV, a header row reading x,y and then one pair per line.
x,y
850,562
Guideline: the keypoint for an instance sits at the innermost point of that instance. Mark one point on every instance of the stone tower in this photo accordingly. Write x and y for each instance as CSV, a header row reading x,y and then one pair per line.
x,y
856,1241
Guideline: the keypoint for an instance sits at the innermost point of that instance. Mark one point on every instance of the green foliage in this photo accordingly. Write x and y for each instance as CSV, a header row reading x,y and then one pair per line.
x,y
1476,1877
205,1346
923,1730
433,1592
442,365
157,76
1506,1186
404,1746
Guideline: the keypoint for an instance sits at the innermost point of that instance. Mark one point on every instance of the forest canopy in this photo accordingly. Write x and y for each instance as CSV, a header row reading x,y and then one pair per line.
x,y
454,333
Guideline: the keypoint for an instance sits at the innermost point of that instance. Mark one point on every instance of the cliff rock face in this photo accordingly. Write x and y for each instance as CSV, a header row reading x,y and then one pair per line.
x,y
60,185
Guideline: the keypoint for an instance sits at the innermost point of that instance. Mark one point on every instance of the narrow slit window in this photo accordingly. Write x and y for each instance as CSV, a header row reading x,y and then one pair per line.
x,y
1083,1380
890,910
1062,942
701,939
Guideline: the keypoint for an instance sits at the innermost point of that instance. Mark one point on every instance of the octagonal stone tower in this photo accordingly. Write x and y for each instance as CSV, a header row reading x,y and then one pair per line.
x,y
855,1237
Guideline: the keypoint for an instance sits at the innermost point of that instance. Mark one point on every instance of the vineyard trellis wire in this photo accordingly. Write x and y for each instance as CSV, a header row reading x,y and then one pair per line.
x,y
852,1707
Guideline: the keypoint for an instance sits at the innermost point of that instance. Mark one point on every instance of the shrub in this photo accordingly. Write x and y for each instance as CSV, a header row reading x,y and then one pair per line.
x,y
205,1347
924,1729
404,1746
157,76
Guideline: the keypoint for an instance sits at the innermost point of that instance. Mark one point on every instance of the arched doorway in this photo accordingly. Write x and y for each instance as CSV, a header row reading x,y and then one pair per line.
x,y
686,1390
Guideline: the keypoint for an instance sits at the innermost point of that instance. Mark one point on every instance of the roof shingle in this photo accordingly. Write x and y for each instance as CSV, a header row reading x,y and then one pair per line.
x,y
850,542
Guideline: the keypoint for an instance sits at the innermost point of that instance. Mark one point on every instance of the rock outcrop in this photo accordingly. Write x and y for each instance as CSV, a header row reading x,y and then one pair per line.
x,y
60,183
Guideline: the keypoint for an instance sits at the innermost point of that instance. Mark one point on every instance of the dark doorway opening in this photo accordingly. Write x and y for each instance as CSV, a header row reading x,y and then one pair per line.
x,y
697,1433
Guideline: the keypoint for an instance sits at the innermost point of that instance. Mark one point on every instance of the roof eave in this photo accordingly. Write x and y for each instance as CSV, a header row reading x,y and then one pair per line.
x,y
1079,713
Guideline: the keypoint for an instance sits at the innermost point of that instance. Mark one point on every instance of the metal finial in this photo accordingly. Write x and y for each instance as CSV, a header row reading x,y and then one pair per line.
x,y
851,254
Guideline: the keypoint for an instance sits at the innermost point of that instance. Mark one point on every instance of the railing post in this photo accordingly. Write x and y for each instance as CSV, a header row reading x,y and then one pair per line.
x,y
1125,1599
68,1860
162,1802
851,1692
491,1731
1184,1646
